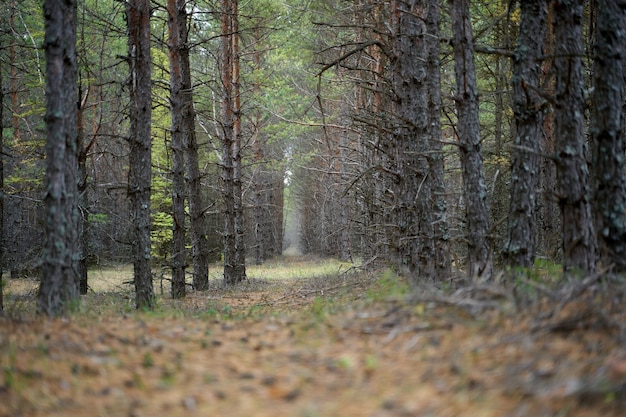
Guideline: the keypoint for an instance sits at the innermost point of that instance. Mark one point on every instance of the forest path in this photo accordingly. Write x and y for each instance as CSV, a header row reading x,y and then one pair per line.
x,y
348,345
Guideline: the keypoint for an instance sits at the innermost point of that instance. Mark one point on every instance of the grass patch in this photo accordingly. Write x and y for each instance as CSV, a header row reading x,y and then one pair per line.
x,y
283,268
269,289
389,285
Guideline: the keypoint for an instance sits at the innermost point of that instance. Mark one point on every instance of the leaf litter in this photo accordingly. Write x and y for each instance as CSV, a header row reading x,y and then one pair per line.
x,y
326,346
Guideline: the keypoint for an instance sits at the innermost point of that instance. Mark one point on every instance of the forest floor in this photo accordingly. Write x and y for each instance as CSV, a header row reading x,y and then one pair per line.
x,y
320,340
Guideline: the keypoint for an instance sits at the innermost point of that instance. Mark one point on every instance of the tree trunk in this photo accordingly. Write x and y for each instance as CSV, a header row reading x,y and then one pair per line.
x,y
607,133
344,249
412,214
195,194
548,213
177,139
572,172
13,79
83,216
528,107
260,176
140,160
59,290
437,159
477,210
234,246
2,263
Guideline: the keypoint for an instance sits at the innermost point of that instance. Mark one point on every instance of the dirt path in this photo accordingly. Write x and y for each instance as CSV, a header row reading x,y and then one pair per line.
x,y
312,348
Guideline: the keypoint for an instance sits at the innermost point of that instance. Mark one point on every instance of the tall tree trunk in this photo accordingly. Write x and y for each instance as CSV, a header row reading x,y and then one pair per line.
x,y
260,176
197,222
477,209
234,247
528,110
2,262
59,290
13,78
83,216
344,249
572,172
140,160
177,140
437,159
412,214
607,132
548,213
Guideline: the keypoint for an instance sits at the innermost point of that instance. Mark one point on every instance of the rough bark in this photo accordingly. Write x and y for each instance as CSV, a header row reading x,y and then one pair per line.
x,y
195,194
468,128
437,160
412,214
176,145
572,171
2,263
548,213
140,160
528,108
260,177
59,290
13,78
234,246
607,132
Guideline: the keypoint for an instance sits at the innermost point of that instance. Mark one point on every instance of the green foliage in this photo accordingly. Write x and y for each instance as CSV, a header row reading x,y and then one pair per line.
x,y
388,285
98,218
161,235
148,360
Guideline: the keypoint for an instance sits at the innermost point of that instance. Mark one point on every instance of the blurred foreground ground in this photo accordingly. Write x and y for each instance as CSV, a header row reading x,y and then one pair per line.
x,y
327,344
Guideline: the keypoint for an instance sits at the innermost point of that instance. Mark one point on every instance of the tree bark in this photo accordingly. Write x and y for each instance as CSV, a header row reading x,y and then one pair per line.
x,y
195,194
528,107
234,245
186,119
607,133
177,139
412,214
2,263
477,209
572,171
548,213
59,289
13,78
83,216
140,160
437,160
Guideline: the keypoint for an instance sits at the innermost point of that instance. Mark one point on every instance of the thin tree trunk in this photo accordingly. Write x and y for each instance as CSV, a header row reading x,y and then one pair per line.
x,y
194,194
13,79
260,175
2,262
197,223
59,290
528,106
437,160
345,252
607,133
234,248
572,171
177,139
140,160
83,238
477,209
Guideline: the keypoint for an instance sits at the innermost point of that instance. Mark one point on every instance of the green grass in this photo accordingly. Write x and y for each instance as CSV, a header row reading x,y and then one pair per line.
x,y
283,268
326,284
